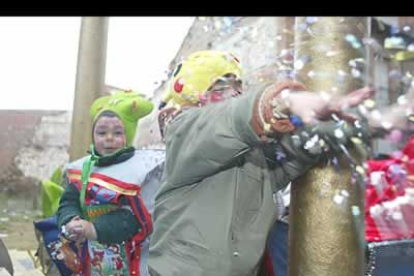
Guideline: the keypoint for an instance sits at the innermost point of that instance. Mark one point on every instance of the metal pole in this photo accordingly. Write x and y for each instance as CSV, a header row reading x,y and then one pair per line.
x,y
90,80
327,224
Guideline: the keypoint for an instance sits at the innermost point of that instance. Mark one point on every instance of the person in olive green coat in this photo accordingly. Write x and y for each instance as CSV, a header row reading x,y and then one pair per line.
x,y
227,153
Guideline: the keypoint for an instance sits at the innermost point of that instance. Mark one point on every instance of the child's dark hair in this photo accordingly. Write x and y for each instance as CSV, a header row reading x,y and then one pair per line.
x,y
106,113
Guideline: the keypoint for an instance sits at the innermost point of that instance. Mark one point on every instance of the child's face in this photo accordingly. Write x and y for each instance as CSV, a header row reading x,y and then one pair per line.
x,y
108,135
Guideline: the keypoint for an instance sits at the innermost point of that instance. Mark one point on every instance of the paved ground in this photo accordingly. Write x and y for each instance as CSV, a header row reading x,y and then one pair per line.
x,y
4,272
23,264
17,233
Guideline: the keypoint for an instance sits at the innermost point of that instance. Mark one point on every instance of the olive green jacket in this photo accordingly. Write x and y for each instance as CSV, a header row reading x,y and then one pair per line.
x,y
215,207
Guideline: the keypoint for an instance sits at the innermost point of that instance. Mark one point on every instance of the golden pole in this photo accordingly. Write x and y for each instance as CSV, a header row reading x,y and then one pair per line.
x,y
285,33
326,223
90,80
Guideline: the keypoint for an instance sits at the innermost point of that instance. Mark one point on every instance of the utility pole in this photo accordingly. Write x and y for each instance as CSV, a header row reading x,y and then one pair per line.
x,y
90,81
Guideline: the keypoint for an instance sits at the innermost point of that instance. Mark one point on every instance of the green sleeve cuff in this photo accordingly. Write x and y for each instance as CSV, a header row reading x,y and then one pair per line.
x,y
69,206
117,226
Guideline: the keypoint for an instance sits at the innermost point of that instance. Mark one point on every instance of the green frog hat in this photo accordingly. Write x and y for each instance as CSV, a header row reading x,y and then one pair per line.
x,y
129,106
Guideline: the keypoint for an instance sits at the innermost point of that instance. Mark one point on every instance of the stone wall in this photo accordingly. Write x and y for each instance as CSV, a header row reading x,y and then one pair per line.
x,y
32,145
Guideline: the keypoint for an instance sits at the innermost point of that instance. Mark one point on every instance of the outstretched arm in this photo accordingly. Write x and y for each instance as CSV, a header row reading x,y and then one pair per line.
x,y
202,141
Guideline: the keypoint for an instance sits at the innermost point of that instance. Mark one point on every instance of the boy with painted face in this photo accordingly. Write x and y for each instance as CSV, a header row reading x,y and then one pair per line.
x,y
109,195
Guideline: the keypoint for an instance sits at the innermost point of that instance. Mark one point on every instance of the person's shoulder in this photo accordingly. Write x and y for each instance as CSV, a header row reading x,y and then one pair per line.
x,y
190,114
149,151
77,164
149,155
146,160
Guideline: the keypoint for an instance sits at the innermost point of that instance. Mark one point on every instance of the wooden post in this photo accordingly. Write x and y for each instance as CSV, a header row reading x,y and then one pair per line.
x,y
90,80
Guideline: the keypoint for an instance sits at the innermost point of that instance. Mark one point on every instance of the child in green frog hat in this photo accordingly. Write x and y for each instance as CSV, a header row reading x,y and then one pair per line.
x,y
108,200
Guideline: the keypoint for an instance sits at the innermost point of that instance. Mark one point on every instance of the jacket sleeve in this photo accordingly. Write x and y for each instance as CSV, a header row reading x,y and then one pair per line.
x,y
296,157
287,161
117,226
201,141
69,205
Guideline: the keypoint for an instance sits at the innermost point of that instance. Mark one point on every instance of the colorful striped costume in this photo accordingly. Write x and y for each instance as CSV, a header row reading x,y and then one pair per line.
x,y
137,180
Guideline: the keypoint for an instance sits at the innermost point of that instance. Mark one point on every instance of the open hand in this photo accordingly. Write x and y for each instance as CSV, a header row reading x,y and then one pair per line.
x,y
312,107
